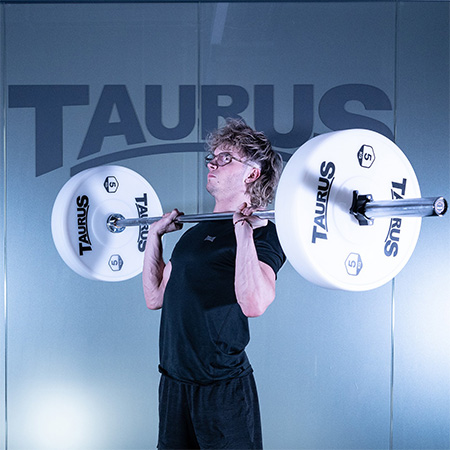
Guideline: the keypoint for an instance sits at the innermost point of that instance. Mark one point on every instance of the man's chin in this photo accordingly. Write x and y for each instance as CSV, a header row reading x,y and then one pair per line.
x,y
210,188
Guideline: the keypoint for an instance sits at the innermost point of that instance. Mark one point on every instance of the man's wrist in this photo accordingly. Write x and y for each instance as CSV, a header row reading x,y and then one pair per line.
x,y
242,223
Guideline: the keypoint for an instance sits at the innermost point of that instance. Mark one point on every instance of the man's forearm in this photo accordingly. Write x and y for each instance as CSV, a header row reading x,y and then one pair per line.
x,y
254,280
153,272
156,274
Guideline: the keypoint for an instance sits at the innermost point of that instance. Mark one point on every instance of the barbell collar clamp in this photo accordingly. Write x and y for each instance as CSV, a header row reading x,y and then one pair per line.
x,y
365,209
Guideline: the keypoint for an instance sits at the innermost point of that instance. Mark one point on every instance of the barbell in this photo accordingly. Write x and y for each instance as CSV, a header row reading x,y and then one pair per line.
x,y
347,211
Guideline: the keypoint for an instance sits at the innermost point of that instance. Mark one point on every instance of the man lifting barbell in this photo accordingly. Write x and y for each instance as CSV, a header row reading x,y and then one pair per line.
x,y
348,213
220,273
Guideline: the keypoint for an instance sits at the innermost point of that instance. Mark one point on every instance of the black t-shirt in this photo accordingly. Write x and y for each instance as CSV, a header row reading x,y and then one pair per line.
x,y
203,331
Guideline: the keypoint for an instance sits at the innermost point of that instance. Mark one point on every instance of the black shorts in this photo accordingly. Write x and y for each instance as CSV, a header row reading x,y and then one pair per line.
x,y
224,415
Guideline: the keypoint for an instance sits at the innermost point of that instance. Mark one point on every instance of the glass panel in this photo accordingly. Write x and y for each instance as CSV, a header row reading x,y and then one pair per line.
x,y
300,70
83,355
422,358
2,235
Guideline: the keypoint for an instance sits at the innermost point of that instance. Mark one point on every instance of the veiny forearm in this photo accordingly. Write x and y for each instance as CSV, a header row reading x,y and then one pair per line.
x,y
155,274
254,280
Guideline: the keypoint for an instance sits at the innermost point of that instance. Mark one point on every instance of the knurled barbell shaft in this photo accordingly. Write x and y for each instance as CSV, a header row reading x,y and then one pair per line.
x,y
366,208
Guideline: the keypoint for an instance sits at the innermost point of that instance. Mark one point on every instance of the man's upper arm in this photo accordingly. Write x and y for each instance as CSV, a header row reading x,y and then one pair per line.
x,y
166,275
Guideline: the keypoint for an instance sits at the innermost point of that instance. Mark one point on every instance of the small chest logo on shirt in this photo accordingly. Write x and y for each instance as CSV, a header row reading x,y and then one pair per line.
x,y
210,238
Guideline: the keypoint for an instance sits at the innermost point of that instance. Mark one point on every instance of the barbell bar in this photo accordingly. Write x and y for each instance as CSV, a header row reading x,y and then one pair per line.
x,y
116,223
319,214
364,208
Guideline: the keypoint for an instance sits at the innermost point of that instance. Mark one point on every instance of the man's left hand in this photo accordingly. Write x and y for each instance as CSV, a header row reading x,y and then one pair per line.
x,y
244,215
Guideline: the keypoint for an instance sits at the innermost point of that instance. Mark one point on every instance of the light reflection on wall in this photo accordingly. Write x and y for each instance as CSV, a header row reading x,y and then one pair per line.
x,y
61,418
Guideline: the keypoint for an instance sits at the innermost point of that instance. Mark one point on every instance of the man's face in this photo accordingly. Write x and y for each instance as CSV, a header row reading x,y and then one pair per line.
x,y
228,179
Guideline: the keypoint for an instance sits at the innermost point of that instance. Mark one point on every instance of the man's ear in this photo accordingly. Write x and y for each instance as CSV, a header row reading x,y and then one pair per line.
x,y
253,175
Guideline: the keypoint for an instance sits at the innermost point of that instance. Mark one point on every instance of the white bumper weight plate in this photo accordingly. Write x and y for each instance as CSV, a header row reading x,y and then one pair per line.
x,y
322,240
79,218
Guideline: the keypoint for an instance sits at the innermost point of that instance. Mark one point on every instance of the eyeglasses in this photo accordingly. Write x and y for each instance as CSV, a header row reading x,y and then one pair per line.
x,y
222,159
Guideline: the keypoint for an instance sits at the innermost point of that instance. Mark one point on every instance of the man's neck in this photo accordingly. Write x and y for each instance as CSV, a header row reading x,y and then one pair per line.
x,y
230,205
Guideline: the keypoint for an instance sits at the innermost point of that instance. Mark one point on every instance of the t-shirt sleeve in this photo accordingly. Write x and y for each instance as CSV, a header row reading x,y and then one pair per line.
x,y
268,247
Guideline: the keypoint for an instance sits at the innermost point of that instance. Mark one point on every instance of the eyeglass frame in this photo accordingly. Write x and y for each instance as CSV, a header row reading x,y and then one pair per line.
x,y
215,158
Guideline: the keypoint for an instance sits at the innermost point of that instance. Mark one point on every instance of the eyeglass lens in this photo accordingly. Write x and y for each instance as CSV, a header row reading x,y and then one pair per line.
x,y
221,159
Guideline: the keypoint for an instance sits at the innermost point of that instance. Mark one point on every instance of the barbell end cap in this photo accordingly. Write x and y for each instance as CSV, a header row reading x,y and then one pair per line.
x,y
111,223
358,208
440,206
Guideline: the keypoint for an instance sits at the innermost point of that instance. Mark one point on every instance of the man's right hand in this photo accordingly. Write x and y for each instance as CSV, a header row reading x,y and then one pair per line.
x,y
167,223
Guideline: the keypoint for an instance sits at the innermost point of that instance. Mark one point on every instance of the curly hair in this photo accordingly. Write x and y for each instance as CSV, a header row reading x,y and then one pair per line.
x,y
255,147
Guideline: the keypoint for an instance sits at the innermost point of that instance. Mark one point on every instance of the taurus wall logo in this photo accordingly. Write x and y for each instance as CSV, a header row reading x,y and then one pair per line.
x,y
149,135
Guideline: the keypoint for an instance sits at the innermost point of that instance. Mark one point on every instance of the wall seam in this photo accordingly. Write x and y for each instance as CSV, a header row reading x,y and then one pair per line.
x,y
4,230
392,311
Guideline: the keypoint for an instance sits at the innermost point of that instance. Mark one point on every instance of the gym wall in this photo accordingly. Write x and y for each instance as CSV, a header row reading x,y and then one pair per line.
x,y
139,85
